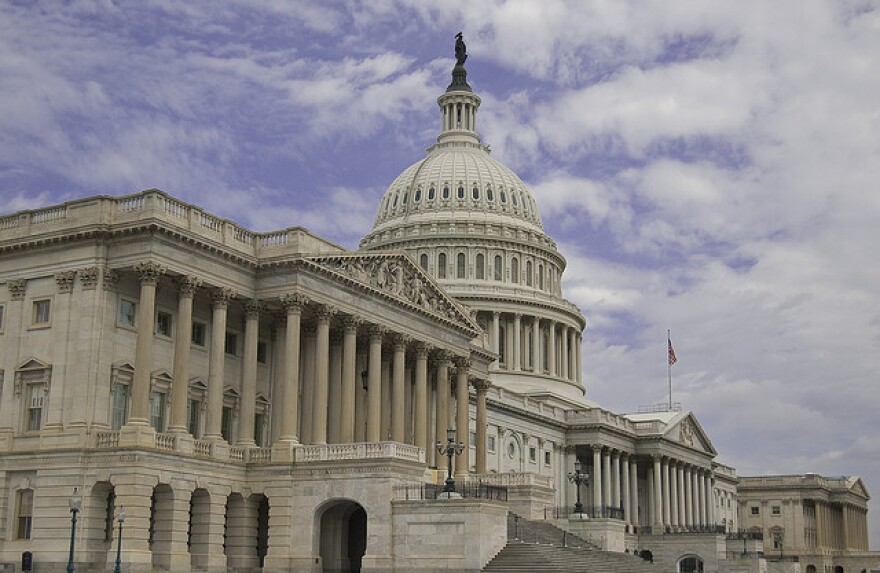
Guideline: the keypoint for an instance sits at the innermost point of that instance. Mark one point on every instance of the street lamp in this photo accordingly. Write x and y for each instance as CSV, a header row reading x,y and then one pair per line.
x,y
120,518
449,449
75,503
577,477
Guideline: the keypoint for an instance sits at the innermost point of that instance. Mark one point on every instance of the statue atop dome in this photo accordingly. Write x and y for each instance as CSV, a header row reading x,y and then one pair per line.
x,y
459,74
460,50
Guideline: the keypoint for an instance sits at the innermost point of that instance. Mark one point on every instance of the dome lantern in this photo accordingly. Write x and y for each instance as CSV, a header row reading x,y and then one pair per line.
x,y
459,104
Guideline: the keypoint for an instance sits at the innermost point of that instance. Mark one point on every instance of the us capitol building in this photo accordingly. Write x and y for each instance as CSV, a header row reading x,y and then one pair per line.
x,y
272,400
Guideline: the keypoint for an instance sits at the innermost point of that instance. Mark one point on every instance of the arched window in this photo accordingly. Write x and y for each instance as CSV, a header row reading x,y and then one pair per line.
x,y
499,272
489,195
541,277
395,201
405,197
460,191
513,198
418,196
480,266
423,262
514,270
528,273
475,193
502,342
441,266
503,196
460,266
446,191
431,193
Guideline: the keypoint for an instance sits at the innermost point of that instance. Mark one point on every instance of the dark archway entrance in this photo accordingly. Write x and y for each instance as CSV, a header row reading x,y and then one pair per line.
x,y
343,541
690,564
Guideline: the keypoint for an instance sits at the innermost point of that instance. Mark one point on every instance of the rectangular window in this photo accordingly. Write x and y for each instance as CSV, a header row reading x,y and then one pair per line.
x,y
533,454
546,458
198,333
157,411
2,308
35,407
25,513
226,423
756,510
491,446
42,310
127,312
776,510
231,345
261,352
258,429
163,323
193,413
119,415
473,439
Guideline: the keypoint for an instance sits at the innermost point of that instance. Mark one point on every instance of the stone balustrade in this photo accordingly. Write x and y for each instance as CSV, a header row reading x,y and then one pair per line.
x,y
360,451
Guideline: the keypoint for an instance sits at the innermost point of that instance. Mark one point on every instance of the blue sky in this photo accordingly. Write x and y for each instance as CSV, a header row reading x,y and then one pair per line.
x,y
709,168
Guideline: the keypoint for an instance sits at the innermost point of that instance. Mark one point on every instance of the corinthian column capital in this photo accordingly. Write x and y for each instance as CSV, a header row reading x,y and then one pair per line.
x,y
149,272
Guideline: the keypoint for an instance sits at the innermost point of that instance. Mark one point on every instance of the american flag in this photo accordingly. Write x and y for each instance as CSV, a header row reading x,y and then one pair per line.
x,y
672,358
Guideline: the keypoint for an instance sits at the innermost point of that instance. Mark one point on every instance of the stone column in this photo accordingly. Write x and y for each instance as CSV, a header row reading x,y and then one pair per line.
x,y
149,274
580,366
249,374
536,344
563,362
322,374
374,385
623,461
482,386
398,390
634,491
597,480
180,375
349,379
292,304
517,342
667,493
551,347
216,365
658,495
462,393
572,354
615,479
496,332
422,416
688,502
442,414
606,478
334,397
673,494
681,482
709,507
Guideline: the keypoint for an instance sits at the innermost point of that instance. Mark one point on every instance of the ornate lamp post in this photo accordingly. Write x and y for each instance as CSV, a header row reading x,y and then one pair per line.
x,y
449,449
120,518
75,502
577,477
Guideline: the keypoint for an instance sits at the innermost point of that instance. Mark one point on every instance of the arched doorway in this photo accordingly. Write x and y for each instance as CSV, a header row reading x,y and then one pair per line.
x,y
811,568
838,569
343,536
690,564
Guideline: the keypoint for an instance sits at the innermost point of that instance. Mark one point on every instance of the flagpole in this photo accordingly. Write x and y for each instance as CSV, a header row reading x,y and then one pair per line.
x,y
669,365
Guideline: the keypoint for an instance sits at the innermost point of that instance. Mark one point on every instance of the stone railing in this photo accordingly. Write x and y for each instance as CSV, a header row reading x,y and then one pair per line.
x,y
157,207
165,442
105,440
202,448
359,451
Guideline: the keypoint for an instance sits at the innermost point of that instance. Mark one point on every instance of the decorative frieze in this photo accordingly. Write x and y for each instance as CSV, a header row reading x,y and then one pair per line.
x,y
89,277
16,288
64,281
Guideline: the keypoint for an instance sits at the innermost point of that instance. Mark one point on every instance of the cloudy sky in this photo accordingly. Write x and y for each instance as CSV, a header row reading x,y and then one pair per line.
x,y
710,168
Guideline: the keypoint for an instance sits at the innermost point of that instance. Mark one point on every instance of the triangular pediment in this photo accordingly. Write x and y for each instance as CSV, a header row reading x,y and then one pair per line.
x,y
397,276
858,488
686,430
161,374
33,363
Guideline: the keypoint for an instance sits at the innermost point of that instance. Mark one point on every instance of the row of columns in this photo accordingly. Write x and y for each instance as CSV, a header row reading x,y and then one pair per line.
x,y
316,397
562,352
681,494
841,527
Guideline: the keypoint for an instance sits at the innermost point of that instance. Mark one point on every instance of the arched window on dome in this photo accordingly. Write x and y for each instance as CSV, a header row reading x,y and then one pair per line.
x,y
423,262
541,277
514,270
528,273
490,196
526,207
480,266
460,191
431,193
499,271
545,350
502,343
441,266
418,196
394,204
503,197
446,191
475,193
460,266
513,198
405,197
